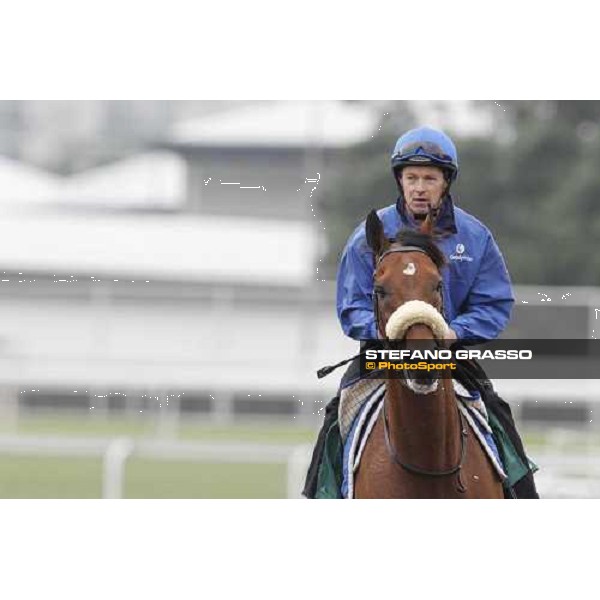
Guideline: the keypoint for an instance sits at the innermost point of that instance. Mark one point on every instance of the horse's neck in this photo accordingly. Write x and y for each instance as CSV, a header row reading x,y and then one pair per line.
x,y
424,429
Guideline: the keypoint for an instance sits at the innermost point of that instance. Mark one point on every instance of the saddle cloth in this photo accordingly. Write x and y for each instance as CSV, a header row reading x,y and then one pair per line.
x,y
364,416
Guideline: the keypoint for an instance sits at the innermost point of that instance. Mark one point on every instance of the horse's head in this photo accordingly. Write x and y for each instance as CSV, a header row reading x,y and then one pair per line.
x,y
407,284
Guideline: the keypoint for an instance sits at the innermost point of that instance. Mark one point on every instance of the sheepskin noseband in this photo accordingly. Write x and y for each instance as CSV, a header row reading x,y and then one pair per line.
x,y
411,313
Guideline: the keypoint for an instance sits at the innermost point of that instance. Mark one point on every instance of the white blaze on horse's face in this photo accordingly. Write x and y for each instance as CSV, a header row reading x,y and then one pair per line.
x,y
410,269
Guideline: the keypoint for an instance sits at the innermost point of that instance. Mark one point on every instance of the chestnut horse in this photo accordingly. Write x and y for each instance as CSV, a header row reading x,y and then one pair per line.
x,y
421,445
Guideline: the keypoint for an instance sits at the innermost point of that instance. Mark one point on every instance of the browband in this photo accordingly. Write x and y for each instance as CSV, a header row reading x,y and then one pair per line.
x,y
400,249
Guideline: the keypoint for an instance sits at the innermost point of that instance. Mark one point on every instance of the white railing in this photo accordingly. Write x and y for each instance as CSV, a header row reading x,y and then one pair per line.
x,y
116,451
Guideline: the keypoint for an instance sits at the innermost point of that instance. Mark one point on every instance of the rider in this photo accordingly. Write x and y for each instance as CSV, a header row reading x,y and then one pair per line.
x,y
478,295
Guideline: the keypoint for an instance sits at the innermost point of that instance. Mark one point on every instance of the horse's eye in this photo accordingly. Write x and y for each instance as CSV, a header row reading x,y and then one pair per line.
x,y
379,291
439,287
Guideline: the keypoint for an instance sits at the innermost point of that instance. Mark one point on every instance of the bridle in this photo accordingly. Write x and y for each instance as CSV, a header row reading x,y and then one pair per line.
x,y
395,250
386,428
392,250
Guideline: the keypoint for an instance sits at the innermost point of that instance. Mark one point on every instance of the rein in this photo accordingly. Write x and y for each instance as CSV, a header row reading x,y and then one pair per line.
x,y
426,472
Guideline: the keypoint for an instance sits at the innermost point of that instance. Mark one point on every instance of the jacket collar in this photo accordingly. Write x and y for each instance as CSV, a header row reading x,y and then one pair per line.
x,y
445,225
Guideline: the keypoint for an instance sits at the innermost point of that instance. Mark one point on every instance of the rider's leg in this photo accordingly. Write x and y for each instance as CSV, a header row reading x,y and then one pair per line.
x,y
312,477
331,414
525,487
471,375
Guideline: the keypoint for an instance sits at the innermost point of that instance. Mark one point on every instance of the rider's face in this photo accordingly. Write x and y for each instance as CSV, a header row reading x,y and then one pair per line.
x,y
423,187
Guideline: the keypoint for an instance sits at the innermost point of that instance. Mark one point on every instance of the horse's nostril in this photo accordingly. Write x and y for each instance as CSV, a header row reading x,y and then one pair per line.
x,y
422,385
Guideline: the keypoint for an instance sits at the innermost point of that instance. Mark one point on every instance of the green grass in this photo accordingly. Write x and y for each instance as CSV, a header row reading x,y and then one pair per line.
x,y
151,479
52,477
566,441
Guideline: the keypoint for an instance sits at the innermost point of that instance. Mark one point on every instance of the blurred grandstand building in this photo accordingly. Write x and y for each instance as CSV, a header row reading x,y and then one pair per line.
x,y
182,279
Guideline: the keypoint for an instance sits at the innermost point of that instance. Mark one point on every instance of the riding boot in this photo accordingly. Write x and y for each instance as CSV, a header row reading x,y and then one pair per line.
x,y
471,374
525,487
312,476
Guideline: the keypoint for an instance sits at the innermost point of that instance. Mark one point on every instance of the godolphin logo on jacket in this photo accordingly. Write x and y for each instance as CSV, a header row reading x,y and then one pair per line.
x,y
459,254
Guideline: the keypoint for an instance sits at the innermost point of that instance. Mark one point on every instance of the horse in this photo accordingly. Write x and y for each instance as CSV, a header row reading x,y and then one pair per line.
x,y
421,445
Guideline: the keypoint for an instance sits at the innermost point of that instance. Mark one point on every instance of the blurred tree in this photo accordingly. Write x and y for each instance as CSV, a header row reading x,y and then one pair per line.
x,y
535,183
363,182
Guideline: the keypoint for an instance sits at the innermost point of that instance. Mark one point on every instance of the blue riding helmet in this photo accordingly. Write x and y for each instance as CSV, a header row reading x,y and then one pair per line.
x,y
426,146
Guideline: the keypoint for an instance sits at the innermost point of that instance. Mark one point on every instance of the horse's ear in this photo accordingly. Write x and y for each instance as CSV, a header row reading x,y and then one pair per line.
x,y
375,235
429,222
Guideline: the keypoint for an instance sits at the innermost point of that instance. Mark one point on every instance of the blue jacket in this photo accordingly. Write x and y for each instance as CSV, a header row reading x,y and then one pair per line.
x,y
478,295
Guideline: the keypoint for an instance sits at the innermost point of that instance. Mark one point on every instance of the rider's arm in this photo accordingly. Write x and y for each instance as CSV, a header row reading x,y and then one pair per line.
x,y
487,308
355,289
